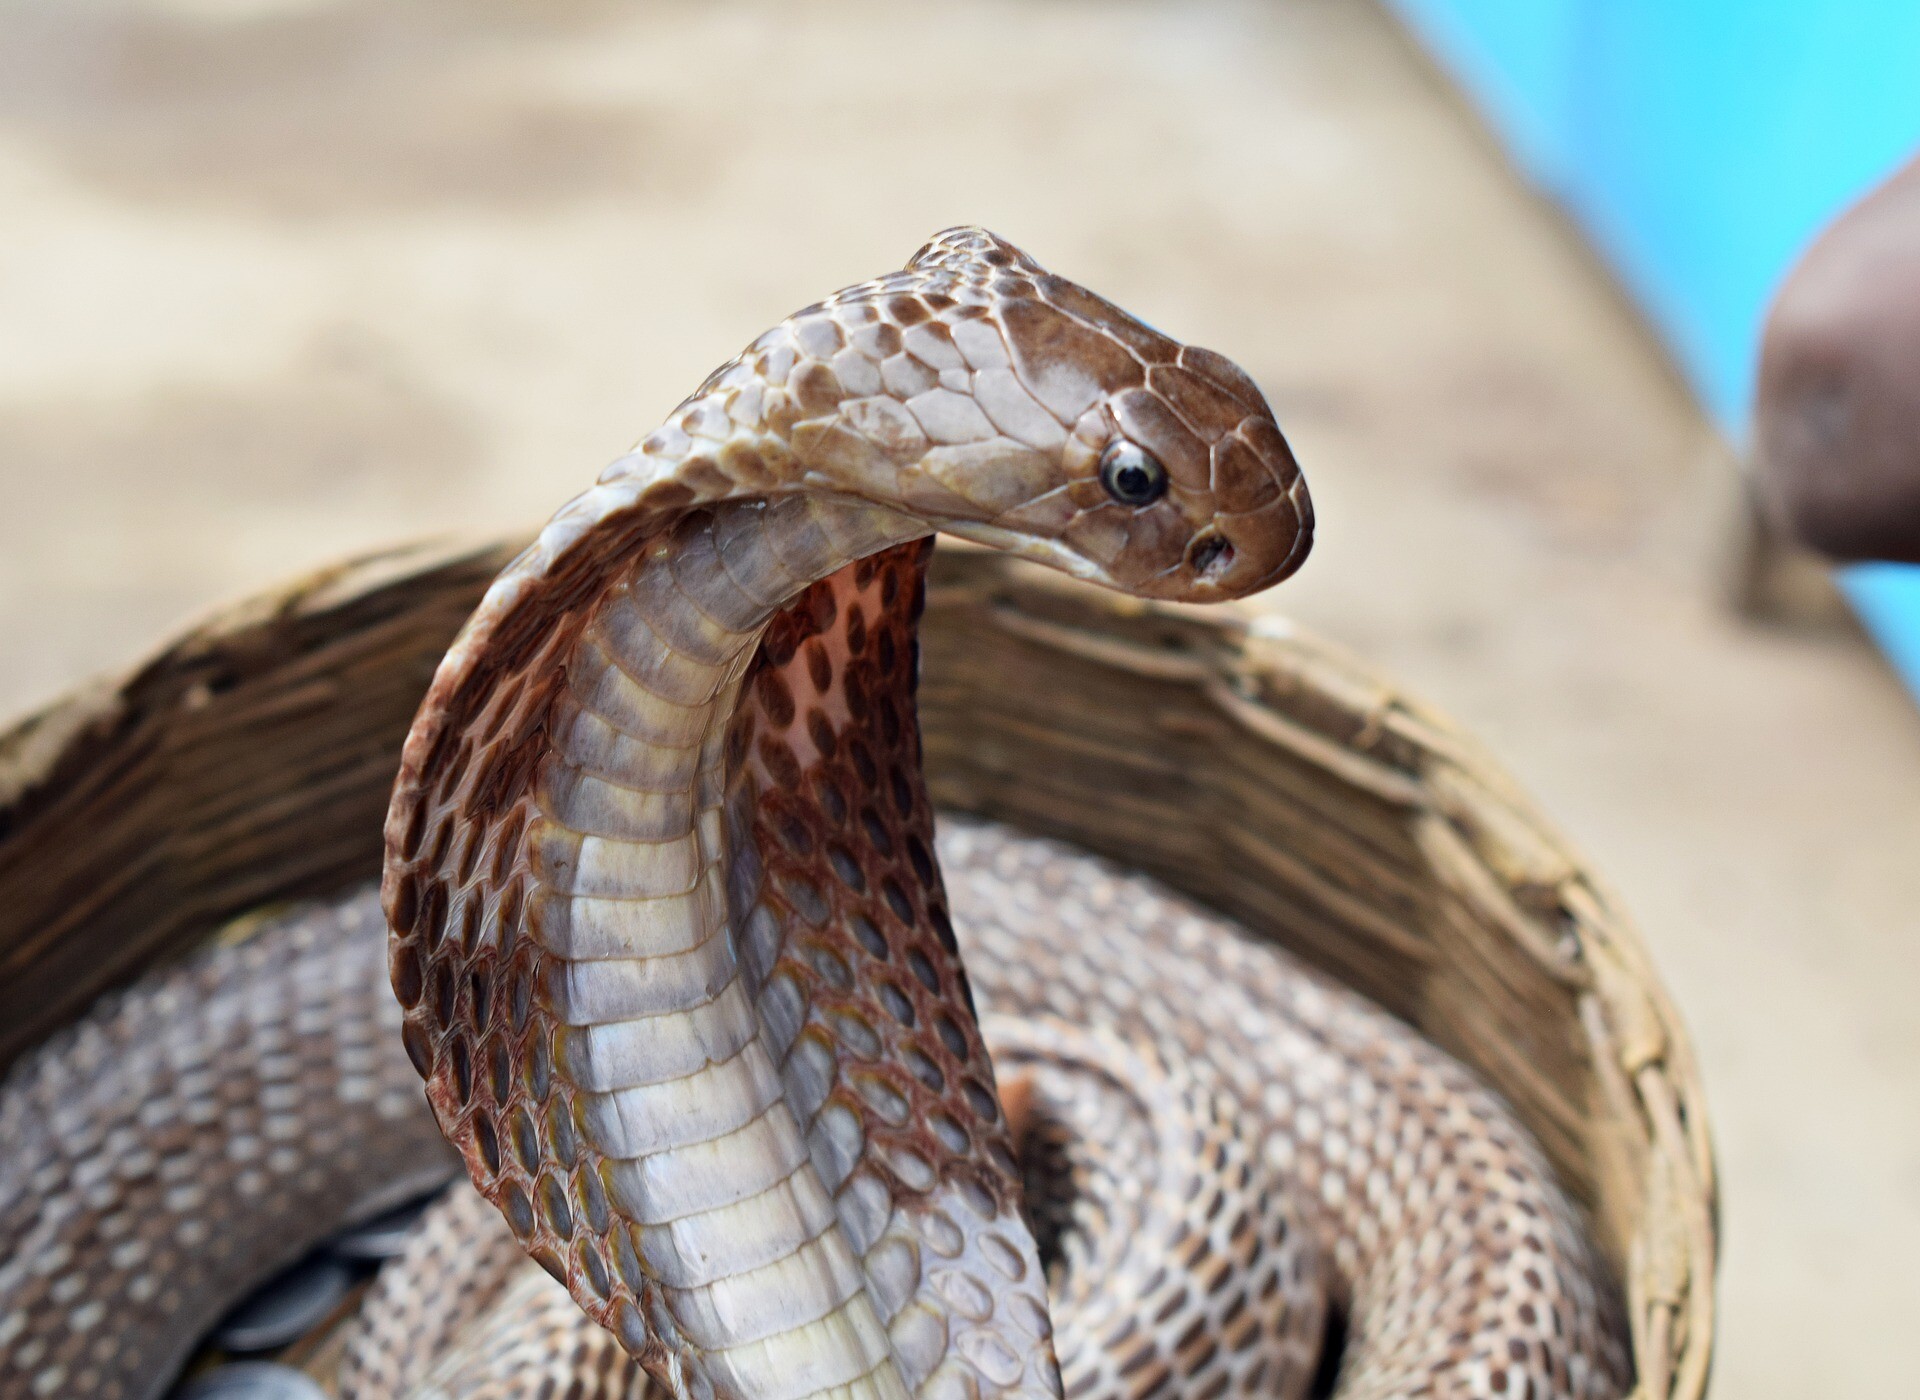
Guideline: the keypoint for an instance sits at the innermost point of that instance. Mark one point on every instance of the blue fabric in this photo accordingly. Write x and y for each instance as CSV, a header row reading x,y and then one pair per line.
x,y
1702,144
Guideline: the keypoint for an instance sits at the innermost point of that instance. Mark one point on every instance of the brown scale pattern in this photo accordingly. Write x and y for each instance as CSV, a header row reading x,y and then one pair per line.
x,y
843,830
455,1264
1223,1145
1459,1264
1178,1265
974,391
528,1341
845,835
479,1025
479,1031
191,1136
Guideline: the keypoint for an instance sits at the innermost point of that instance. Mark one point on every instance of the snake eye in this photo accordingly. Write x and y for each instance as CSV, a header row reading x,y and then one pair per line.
x,y
1131,474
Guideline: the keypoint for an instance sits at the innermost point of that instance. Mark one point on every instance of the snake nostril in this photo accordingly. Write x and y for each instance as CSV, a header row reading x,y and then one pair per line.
x,y
1211,554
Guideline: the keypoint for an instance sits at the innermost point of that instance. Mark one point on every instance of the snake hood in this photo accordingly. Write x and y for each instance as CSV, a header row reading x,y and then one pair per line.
x,y
674,954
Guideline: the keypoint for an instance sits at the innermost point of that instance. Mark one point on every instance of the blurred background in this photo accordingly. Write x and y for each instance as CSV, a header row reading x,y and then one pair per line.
x,y
286,279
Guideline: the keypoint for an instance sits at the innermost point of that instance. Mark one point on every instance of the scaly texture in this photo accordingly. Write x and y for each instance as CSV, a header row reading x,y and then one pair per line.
x,y
676,957
1438,1234
677,962
456,1264
664,796
1223,1147
188,1138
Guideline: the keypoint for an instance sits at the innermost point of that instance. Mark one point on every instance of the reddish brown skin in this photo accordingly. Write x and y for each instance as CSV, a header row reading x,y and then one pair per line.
x,y
459,874
867,802
865,809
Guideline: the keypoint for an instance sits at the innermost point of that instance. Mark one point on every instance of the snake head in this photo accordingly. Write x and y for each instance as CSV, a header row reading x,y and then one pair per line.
x,y
1007,405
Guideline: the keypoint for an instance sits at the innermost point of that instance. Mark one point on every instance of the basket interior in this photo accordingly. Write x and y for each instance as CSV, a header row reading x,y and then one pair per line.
x,y
1253,769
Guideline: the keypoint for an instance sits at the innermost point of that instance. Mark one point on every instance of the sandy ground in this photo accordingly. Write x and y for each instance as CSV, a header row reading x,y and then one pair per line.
x,y
280,280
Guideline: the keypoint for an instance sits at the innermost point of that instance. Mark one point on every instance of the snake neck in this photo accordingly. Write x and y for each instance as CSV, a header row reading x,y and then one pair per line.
x,y
744,1111
675,957
627,835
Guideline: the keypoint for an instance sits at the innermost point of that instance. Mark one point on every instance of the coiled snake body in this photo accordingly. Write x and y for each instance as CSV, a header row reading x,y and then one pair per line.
x,y
676,960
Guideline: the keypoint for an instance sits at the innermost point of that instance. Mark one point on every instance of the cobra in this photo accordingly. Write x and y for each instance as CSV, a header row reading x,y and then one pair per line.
x,y
678,964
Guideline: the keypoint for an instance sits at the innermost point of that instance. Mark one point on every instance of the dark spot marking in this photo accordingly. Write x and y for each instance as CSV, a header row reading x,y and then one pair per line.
x,y
868,937
925,1070
526,1142
980,1100
506,843
595,1270
942,926
780,763
820,730
819,667
433,913
566,1146
409,848
922,862
500,1071
443,994
952,1136
406,975
406,894
553,1205
776,700
510,898
823,605
847,868
470,915
538,1066
626,1260
859,702
833,971
831,801
518,1210
419,1050
480,988
628,1327
488,1142
794,834
462,1069
897,1004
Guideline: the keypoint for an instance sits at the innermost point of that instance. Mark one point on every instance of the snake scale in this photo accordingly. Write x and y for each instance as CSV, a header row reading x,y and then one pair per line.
x,y
672,945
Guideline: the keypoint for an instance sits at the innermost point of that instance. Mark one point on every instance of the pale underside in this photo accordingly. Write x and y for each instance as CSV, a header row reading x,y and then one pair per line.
x,y
1226,1149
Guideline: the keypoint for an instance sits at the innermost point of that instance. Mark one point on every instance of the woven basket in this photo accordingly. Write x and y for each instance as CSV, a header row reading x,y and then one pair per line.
x,y
1251,767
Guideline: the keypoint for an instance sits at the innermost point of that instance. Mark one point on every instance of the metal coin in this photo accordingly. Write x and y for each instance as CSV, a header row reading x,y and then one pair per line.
x,y
287,1308
252,1380
382,1237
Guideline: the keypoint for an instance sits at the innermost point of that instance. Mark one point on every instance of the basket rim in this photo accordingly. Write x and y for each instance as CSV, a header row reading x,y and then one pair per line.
x,y
1256,669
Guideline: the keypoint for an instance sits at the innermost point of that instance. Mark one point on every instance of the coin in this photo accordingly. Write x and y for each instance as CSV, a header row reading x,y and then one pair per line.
x,y
286,1308
252,1380
380,1238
